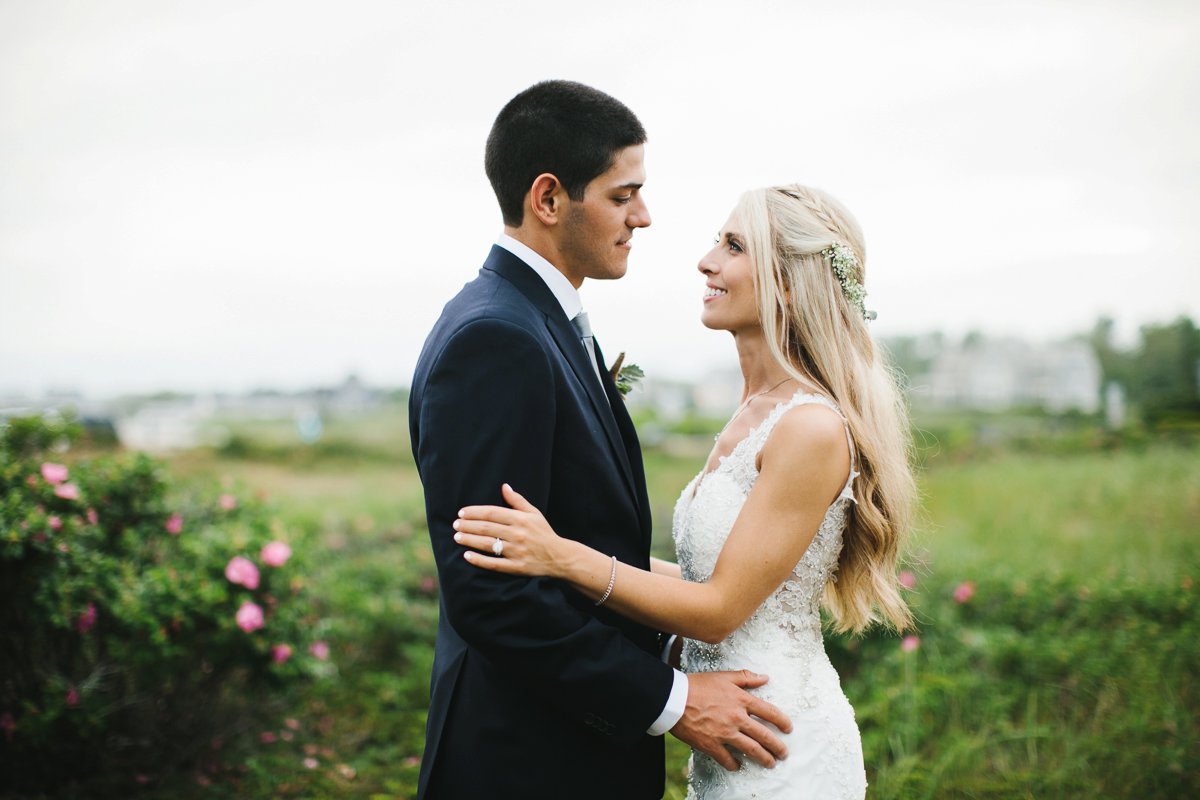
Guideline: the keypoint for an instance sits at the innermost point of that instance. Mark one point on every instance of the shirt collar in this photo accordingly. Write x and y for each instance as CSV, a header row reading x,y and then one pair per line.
x,y
566,294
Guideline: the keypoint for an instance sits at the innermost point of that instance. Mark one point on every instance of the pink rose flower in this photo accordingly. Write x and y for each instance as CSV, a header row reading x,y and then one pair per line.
x,y
32,481
72,697
428,585
54,473
310,762
292,723
87,619
142,779
93,517
174,524
54,522
228,502
67,491
241,570
910,643
267,737
281,653
249,617
8,725
908,580
276,554
964,591
320,650
287,736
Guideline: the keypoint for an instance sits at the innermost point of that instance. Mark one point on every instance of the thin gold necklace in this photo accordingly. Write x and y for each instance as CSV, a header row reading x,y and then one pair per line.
x,y
746,404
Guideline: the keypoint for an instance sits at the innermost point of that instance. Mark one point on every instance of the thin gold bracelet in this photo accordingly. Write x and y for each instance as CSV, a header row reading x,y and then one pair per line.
x,y
612,580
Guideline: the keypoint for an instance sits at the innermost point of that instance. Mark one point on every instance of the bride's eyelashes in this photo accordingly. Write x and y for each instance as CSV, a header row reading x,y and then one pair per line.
x,y
733,244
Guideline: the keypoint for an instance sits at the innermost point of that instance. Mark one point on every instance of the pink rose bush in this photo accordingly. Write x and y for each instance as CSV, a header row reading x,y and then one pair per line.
x,y
910,643
242,571
908,580
87,619
249,617
67,491
275,554
54,474
964,592
121,607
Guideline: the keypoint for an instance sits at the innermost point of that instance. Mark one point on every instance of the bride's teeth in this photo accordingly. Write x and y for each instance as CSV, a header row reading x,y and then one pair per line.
x,y
715,292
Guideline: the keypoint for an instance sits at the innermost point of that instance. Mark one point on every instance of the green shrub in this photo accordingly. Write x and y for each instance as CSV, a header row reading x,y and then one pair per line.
x,y
138,630
1049,688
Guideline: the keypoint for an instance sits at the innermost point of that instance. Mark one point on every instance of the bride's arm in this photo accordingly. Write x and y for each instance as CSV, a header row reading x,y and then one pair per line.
x,y
804,464
668,568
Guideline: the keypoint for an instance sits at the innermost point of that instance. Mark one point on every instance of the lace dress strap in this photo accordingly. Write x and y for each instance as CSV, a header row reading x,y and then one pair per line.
x,y
800,398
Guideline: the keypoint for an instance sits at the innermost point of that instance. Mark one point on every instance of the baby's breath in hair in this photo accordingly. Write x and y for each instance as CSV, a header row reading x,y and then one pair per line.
x,y
843,260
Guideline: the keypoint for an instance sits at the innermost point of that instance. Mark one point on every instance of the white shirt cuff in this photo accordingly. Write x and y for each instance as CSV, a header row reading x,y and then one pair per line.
x,y
673,711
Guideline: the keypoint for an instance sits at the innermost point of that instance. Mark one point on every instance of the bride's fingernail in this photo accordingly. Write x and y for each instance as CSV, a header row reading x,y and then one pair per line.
x,y
460,513
455,524
458,537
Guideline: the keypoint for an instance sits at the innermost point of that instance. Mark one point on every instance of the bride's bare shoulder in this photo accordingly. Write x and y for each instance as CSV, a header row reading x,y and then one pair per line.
x,y
810,436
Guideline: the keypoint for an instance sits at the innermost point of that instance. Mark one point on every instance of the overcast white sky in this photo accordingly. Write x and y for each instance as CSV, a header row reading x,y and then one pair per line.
x,y
225,195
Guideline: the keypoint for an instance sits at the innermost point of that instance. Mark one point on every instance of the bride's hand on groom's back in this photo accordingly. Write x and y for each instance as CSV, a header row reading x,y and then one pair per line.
x,y
721,714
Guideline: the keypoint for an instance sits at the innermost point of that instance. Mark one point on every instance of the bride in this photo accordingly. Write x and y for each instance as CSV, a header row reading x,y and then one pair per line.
x,y
803,502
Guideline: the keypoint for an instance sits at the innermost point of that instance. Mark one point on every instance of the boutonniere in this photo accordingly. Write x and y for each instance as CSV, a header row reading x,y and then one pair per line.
x,y
626,376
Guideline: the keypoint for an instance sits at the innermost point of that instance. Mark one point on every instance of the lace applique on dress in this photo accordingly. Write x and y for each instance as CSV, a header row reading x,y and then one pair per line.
x,y
781,639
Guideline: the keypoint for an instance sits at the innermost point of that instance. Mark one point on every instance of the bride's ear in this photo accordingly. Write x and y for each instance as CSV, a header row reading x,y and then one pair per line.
x,y
547,198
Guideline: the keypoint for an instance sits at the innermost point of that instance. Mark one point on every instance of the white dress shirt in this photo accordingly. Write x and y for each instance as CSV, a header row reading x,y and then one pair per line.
x,y
568,297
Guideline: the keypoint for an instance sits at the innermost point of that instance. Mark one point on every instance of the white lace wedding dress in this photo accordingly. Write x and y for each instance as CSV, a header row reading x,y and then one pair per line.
x,y
781,639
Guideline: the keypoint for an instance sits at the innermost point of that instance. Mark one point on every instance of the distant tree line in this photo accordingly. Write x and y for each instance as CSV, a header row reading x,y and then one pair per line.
x,y
1160,375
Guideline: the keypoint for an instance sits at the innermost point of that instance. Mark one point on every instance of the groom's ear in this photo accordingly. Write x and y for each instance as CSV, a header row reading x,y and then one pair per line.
x,y
547,198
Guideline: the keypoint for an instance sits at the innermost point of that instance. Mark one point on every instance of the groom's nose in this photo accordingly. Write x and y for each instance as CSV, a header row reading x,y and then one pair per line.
x,y
639,214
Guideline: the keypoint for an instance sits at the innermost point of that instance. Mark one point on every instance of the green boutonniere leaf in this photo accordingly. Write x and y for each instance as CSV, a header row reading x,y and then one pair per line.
x,y
626,376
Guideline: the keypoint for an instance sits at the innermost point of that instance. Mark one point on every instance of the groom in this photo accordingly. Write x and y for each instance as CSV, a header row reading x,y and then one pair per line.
x,y
536,692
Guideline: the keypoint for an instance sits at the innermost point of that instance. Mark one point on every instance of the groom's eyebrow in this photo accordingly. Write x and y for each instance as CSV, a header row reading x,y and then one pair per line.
x,y
631,186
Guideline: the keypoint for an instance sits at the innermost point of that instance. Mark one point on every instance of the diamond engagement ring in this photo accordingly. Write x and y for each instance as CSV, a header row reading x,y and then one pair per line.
x,y
498,547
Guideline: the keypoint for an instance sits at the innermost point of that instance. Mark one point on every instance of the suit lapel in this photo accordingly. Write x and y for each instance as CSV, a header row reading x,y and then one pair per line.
x,y
577,356
527,281
633,449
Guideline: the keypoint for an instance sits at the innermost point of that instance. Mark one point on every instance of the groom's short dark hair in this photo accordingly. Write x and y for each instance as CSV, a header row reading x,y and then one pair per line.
x,y
565,128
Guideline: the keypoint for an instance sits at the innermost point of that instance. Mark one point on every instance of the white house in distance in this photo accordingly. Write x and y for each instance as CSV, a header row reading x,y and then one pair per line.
x,y
996,374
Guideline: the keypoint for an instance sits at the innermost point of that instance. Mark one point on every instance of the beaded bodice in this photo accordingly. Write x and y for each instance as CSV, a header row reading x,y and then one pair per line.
x,y
788,622
781,639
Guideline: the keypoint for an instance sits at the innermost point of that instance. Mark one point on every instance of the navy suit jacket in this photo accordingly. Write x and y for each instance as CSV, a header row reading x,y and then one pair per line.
x,y
535,692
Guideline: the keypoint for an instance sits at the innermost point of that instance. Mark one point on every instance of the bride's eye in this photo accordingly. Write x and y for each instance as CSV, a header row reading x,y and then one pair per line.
x,y
734,246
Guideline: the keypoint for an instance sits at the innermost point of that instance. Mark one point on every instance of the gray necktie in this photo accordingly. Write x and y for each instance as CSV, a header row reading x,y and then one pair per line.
x,y
584,329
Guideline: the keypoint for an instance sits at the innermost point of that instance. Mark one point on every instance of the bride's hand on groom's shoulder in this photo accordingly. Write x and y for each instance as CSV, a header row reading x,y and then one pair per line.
x,y
516,540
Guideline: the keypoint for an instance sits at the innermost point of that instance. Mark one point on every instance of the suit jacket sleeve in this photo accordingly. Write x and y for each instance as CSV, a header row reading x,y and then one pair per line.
x,y
487,417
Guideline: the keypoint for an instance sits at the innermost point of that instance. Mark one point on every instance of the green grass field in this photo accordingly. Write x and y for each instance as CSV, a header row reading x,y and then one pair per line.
x,y
1069,673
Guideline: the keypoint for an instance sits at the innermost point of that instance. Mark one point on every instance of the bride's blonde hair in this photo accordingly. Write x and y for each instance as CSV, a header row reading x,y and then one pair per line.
x,y
820,337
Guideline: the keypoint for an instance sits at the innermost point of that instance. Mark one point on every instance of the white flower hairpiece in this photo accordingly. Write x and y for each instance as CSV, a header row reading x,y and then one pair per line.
x,y
844,264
